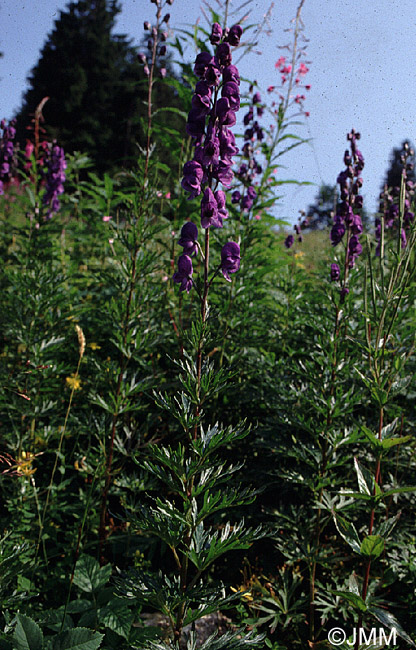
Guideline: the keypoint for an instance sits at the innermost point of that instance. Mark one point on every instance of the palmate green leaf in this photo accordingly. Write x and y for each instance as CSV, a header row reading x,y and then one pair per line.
x,y
117,617
89,576
27,634
390,622
169,526
224,499
206,547
79,638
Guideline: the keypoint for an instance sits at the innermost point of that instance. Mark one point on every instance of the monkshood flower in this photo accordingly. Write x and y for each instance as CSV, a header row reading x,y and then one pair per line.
x,y
188,238
230,259
215,101
55,178
335,272
183,275
347,224
389,204
347,221
7,154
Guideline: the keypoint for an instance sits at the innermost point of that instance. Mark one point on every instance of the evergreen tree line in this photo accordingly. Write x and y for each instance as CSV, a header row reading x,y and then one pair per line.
x,y
96,86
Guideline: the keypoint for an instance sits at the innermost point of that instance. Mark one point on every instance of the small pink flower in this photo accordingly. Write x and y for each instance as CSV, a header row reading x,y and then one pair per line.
x,y
159,194
107,218
167,195
307,113
308,86
257,216
302,70
111,241
270,89
280,62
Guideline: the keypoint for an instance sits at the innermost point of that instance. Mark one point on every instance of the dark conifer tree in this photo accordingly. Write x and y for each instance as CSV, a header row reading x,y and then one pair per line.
x,y
95,84
394,173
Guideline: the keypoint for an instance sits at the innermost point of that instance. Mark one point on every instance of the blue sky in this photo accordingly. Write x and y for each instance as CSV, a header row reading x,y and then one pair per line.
x,y
361,74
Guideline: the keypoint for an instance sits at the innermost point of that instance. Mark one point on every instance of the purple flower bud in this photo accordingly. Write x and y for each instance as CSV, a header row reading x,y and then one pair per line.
x,y
193,175
221,202
162,50
235,197
232,92
231,73
235,34
147,26
162,72
188,238
343,293
141,57
256,98
201,63
289,241
183,275
216,34
166,18
335,272
230,259
223,55
209,210
337,231
146,70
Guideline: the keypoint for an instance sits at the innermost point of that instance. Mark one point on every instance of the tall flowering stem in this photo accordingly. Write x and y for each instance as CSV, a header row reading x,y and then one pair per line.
x,y
214,105
347,225
157,35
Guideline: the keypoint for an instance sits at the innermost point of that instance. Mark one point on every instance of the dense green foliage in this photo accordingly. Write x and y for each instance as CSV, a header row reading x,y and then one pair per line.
x,y
166,457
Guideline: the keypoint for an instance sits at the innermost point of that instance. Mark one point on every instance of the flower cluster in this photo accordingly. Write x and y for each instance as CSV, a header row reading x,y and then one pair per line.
x,y
298,227
295,78
215,102
55,178
347,220
390,197
7,154
157,35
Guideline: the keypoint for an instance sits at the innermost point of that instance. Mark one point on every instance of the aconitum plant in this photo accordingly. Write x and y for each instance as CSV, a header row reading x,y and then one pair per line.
x,y
7,154
215,101
389,217
55,179
347,224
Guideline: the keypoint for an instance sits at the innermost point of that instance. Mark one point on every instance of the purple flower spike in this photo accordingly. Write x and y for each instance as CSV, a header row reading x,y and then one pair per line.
x,y
183,275
230,259
188,238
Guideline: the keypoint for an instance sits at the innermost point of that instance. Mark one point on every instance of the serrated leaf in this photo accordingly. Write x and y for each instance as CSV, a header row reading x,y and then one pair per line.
x,y
348,532
27,634
89,576
391,622
79,638
372,546
117,617
353,598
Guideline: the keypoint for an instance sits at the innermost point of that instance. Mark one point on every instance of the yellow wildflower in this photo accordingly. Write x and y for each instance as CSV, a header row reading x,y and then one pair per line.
x,y
73,382
94,346
24,464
